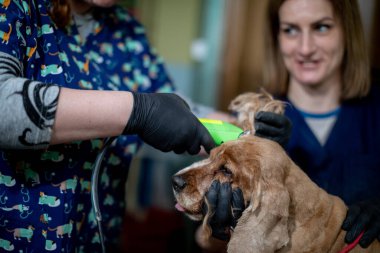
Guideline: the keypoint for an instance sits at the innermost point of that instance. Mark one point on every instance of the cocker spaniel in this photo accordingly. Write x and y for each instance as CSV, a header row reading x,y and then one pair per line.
x,y
286,212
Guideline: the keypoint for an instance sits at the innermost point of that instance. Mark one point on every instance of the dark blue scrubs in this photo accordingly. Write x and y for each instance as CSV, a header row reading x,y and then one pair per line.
x,y
348,165
45,200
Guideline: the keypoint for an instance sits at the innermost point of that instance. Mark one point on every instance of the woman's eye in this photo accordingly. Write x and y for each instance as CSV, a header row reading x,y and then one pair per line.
x,y
322,28
290,31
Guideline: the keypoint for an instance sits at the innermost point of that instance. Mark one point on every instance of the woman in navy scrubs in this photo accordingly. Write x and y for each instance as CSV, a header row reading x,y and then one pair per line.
x,y
317,62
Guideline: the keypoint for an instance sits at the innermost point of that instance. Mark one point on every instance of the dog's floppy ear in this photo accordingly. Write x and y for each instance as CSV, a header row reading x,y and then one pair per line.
x,y
263,226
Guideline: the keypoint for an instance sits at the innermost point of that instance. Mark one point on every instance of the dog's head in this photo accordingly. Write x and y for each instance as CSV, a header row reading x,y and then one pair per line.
x,y
251,163
259,168
255,165
241,162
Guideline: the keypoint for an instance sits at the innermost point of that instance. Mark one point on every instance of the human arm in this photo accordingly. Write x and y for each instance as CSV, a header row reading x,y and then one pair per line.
x,y
363,216
65,115
36,114
88,114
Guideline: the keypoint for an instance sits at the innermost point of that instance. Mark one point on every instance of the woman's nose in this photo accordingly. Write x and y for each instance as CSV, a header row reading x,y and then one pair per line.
x,y
307,44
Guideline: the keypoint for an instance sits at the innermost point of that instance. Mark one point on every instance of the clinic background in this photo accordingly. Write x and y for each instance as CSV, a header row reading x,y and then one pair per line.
x,y
213,51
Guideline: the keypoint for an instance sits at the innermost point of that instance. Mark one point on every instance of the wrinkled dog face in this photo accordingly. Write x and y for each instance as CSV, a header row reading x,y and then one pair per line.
x,y
239,162
234,162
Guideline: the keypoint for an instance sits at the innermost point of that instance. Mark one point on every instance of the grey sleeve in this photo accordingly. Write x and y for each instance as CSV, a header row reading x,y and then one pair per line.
x,y
27,108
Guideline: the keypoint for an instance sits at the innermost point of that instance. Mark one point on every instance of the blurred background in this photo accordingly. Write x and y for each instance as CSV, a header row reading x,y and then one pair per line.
x,y
213,52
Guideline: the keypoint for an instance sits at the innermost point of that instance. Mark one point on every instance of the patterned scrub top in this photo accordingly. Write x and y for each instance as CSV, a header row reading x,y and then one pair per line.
x,y
45,193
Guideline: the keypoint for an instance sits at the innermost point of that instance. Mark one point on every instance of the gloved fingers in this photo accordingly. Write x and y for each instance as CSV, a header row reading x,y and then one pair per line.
x,y
360,225
222,217
267,130
195,148
206,140
179,150
223,210
352,214
212,196
271,118
237,204
372,232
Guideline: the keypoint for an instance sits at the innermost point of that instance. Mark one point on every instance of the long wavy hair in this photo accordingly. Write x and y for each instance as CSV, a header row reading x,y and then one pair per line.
x,y
355,65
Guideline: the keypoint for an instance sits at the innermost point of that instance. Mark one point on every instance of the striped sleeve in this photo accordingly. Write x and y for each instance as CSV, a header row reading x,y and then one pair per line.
x,y
27,108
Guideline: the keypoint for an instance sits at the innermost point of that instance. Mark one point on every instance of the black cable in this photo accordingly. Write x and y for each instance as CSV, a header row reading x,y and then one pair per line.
x,y
94,189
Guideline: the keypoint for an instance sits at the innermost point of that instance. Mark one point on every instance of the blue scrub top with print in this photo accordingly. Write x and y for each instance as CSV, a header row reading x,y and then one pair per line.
x,y
45,194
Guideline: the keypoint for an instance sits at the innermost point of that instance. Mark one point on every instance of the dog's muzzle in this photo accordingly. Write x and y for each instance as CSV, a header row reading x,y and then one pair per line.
x,y
178,183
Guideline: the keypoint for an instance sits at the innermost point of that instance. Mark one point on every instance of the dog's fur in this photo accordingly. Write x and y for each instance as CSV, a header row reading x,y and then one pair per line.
x,y
286,211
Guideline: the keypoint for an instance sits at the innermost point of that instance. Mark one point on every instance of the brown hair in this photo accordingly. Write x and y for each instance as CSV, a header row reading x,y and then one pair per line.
x,y
355,69
60,13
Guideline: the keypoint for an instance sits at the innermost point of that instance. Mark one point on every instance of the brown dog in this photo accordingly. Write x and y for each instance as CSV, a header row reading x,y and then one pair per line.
x,y
286,211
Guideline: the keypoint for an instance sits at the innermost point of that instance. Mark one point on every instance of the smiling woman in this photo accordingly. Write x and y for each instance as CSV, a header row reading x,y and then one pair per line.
x,y
317,61
311,39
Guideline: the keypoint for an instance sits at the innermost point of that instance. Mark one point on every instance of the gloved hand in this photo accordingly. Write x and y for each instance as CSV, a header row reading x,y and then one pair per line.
x,y
226,205
363,216
164,121
273,126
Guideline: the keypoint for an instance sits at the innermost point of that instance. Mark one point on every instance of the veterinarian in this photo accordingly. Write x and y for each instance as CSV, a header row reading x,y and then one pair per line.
x,y
317,62
67,72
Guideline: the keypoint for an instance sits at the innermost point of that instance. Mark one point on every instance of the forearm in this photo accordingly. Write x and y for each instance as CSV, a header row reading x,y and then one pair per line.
x,y
87,114
35,115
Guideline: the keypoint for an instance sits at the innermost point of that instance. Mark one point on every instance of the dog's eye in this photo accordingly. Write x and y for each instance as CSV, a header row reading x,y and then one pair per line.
x,y
225,170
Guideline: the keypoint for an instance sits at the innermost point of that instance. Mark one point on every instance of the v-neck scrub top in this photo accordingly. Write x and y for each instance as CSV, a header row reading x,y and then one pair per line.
x,y
348,164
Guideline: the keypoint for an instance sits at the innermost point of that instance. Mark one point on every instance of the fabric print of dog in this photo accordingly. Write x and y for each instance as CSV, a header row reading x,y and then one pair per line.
x,y
27,233
63,229
68,184
51,201
286,212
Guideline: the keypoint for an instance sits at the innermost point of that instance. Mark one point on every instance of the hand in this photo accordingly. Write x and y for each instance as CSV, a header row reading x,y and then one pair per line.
x,y
165,122
226,206
273,126
363,216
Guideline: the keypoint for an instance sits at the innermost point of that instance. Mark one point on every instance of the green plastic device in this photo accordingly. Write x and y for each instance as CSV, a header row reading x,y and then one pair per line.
x,y
221,131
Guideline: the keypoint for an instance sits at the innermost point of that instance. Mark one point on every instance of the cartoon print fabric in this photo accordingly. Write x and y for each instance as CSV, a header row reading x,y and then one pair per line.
x,y
45,194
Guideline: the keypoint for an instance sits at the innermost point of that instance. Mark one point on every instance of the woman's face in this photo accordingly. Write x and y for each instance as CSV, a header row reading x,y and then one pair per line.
x,y
311,41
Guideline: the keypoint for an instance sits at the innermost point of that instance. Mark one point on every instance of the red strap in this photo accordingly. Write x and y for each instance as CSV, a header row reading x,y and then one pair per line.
x,y
352,245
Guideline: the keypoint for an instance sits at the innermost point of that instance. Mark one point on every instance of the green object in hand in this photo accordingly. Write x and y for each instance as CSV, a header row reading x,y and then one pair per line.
x,y
221,131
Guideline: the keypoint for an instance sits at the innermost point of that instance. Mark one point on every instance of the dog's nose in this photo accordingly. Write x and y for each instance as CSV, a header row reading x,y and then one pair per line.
x,y
178,183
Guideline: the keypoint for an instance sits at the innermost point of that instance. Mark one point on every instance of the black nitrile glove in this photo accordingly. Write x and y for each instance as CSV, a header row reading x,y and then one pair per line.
x,y
363,216
226,206
273,126
164,121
